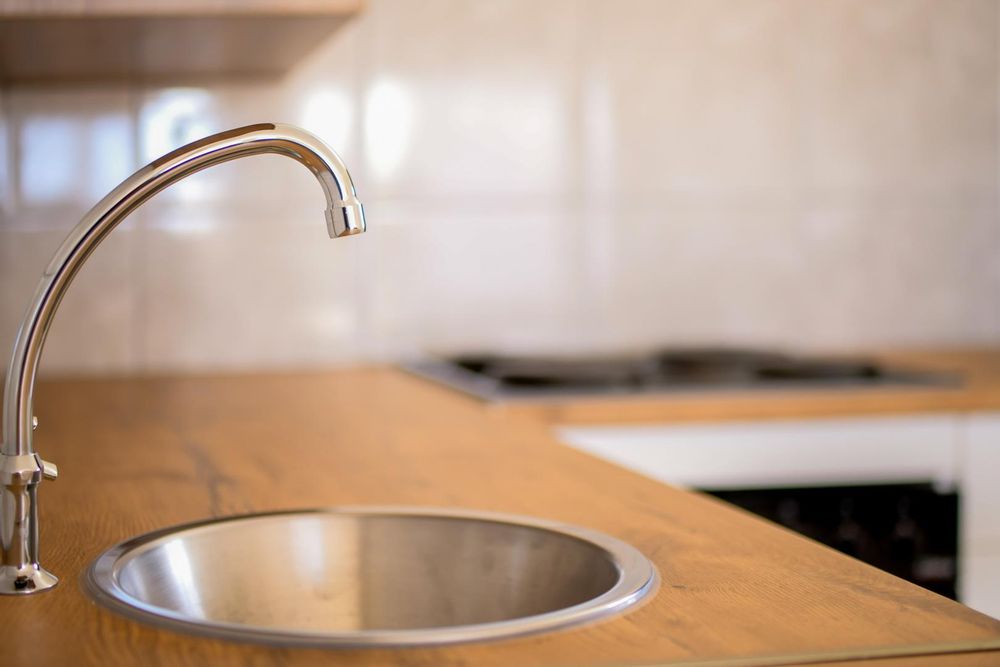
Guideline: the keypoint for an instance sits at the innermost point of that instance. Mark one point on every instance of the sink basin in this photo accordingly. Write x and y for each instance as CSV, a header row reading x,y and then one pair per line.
x,y
370,577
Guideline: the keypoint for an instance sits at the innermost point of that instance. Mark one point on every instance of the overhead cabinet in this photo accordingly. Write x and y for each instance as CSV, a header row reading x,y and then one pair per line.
x,y
161,41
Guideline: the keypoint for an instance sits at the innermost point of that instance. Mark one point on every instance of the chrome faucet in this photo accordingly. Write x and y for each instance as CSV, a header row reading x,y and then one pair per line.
x,y
21,469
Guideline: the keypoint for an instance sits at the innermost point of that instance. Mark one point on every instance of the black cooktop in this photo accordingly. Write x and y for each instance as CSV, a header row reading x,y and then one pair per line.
x,y
669,370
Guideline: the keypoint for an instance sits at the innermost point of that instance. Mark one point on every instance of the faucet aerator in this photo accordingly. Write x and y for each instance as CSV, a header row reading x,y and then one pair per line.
x,y
347,219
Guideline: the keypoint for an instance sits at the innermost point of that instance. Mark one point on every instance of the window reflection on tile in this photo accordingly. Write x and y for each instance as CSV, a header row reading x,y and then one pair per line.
x,y
171,118
52,157
71,146
323,94
328,113
65,158
110,154
329,110
491,94
388,127
460,139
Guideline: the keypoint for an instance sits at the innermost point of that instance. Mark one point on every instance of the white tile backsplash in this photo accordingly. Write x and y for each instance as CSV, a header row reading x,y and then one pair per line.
x,y
922,276
555,176
699,93
500,278
710,275
70,146
94,330
225,293
898,101
470,98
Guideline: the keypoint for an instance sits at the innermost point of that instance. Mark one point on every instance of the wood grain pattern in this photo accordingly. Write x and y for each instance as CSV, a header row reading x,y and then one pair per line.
x,y
976,659
979,390
957,658
136,455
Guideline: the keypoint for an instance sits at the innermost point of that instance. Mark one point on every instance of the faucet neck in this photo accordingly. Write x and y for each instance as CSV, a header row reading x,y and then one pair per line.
x,y
344,215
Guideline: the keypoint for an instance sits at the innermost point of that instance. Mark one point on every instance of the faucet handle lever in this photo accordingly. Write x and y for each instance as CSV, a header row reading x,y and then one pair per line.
x,y
49,469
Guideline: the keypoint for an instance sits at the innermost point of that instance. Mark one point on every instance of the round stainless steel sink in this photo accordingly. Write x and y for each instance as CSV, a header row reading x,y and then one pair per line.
x,y
370,577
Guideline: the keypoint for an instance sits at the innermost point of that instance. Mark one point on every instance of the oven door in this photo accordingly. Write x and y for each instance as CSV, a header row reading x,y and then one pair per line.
x,y
909,530
883,489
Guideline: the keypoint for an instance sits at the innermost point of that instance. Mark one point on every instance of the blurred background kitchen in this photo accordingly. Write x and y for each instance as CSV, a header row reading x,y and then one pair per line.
x,y
558,175
561,176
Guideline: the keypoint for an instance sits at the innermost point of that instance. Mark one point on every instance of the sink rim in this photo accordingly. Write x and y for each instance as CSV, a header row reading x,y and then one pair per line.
x,y
638,578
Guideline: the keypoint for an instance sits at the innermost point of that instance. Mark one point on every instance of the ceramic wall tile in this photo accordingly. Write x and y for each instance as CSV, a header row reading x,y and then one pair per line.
x,y
697,276
541,176
94,329
918,276
470,98
834,279
495,280
694,98
898,101
224,293
70,147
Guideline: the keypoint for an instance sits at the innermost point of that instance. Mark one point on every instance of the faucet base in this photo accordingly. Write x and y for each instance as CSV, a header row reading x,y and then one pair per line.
x,y
23,581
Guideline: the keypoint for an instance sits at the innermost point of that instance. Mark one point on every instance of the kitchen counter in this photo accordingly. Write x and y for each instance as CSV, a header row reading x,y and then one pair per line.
x,y
977,390
137,455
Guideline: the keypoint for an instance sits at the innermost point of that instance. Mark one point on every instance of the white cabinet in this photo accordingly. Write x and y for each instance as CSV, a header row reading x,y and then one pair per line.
x,y
980,518
763,454
949,450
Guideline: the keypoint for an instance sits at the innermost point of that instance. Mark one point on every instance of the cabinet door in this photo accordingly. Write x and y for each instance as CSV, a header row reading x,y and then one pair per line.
x,y
980,538
762,454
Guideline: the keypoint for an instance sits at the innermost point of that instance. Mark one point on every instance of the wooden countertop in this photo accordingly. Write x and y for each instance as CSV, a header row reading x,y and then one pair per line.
x,y
977,389
137,455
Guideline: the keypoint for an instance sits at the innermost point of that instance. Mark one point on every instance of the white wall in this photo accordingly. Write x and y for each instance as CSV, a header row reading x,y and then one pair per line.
x,y
540,175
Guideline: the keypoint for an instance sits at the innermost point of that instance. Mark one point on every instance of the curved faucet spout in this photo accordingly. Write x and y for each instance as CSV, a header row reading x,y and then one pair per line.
x,y
20,468
344,215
